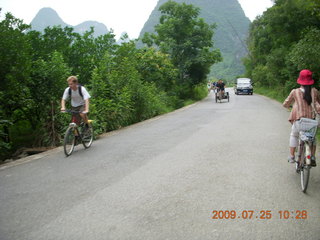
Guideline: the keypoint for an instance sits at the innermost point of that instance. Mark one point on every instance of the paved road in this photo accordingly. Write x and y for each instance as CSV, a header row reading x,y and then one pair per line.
x,y
163,179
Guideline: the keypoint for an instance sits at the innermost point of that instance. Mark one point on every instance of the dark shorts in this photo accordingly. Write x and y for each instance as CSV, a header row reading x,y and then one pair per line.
x,y
79,108
77,118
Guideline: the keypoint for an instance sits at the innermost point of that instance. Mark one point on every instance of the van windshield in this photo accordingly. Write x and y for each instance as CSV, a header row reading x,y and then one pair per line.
x,y
243,84
247,81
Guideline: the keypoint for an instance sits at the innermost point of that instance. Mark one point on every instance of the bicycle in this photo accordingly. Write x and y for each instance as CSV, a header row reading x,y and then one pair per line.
x,y
307,131
77,132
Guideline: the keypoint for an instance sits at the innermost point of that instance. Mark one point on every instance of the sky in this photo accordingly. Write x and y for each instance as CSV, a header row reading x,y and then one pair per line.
x,y
120,15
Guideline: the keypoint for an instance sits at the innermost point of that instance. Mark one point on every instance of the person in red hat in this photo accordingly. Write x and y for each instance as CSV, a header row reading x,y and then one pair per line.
x,y
306,101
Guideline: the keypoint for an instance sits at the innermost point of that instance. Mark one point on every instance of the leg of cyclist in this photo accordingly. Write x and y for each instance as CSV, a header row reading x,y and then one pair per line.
x,y
83,115
294,142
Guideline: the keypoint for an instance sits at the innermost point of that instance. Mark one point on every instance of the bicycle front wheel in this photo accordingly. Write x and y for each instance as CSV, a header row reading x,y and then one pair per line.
x,y
305,174
69,141
87,137
297,167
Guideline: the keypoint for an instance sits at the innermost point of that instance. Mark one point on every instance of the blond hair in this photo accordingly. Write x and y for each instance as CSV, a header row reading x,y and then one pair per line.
x,y
74,79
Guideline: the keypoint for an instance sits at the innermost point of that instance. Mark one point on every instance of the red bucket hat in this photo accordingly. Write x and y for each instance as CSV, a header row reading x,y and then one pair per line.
x,y
305,77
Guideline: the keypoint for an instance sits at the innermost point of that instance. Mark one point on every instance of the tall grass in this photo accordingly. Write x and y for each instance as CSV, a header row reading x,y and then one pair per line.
x,y
274,93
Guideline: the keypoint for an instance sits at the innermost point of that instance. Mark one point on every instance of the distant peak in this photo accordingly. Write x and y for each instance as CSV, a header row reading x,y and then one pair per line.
x,y
47,10
48,17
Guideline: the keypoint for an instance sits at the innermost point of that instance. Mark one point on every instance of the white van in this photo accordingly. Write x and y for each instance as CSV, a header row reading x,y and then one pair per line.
x,y
243,85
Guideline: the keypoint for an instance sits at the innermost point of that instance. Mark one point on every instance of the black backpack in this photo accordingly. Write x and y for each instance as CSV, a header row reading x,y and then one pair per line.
x,y
80,91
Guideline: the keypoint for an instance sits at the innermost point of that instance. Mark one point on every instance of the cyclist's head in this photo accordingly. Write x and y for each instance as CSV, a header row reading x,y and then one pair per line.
x,y
305,77
72,81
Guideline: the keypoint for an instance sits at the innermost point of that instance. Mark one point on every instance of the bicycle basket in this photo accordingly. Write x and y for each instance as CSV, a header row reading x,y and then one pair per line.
x,y
307,126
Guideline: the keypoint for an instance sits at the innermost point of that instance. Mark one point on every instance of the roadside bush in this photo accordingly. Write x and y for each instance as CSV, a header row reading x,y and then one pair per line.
x,y
200,91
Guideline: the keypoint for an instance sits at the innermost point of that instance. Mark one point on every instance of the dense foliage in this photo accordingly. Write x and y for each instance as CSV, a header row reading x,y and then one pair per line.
x,y
230,33
283,41
127,84
188,41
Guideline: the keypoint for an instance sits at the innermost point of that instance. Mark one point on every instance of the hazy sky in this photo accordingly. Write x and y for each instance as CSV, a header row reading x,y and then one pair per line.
x,y
120,15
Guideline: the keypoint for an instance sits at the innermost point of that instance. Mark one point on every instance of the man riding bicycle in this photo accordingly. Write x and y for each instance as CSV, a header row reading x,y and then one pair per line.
x,y
79,98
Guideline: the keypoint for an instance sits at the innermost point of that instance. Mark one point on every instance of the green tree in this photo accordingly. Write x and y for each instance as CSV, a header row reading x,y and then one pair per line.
x,y
306,53
155,66
276,40
87,51
188,41
46,89
53,39
123,93
15,67
15,64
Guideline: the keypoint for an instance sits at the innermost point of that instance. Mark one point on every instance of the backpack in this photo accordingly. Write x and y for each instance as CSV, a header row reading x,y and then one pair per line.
x,y
80,91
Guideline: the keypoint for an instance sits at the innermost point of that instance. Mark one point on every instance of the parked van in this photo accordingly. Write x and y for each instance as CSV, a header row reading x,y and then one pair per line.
x,y
243,85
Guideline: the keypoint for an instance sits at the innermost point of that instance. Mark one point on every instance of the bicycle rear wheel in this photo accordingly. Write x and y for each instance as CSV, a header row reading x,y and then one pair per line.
x,y
87,137
305,174
69,141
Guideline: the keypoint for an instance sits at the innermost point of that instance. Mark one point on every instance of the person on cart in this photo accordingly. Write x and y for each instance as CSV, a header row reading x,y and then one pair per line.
x,y
220,88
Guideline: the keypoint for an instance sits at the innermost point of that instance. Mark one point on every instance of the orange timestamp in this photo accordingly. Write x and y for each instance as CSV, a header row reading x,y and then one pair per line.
x,y
260,214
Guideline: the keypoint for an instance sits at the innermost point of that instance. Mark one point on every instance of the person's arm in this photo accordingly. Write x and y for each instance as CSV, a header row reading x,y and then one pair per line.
x,y
289,100
318,97
86,97
63,100
63,105
86,106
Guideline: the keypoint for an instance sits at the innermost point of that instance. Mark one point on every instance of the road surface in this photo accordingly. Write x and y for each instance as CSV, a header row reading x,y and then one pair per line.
x,y
165,178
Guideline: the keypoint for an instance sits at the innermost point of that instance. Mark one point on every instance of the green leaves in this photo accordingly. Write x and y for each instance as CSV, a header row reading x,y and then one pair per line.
x,y
306,53
283,41
126,86
187,39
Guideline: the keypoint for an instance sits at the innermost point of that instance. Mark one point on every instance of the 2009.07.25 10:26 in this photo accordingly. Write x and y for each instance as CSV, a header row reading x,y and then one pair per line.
x,y
261,214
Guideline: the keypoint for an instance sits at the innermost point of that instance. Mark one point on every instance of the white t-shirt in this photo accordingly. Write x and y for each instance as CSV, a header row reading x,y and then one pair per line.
x,y
76,99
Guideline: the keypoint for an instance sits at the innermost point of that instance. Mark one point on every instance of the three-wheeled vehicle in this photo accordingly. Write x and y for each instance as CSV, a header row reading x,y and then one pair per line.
x,y
220,96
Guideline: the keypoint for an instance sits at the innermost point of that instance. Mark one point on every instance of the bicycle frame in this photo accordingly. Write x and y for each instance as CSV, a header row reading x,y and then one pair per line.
x,y
305,147
308,148
76,120
304,160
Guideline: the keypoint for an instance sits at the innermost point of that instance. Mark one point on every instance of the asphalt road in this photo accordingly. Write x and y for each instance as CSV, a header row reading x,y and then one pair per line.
x,y
165,178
